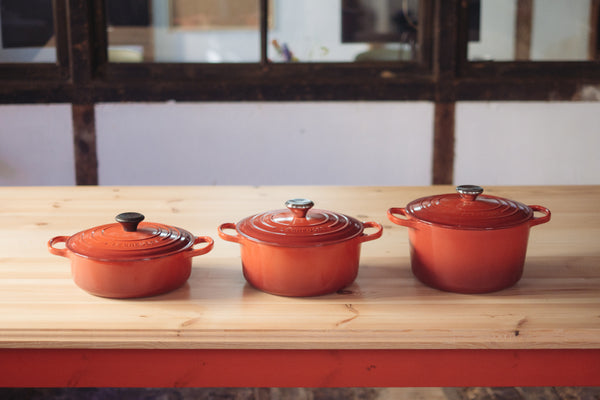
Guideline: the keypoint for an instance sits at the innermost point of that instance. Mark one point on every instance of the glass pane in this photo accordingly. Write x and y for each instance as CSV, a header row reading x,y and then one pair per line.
x,y
27,32
343,31
548,30
207,31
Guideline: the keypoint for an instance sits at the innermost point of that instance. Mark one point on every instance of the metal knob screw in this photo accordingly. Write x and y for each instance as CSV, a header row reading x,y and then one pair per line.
x,y
299,207
469,192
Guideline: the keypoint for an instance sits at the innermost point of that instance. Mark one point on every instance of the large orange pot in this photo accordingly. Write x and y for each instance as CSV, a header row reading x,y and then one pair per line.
x,y
131,258
299,251
467,242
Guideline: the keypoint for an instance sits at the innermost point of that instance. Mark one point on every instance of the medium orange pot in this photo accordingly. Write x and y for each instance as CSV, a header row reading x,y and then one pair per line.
x,y
468,242
299,251
131,258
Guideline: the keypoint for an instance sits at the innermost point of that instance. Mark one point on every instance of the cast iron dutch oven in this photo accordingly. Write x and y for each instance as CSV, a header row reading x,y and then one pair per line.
x,y
130,258
468,242
300,251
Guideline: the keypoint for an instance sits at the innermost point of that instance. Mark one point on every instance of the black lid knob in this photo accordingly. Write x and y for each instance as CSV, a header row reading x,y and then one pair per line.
x,y
129,220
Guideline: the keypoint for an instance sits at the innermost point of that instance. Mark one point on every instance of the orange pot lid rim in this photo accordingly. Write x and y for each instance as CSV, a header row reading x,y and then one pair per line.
x,y
129,240
299,226
469,209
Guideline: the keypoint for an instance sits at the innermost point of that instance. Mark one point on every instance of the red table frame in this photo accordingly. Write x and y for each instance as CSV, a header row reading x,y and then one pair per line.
x,y
297,368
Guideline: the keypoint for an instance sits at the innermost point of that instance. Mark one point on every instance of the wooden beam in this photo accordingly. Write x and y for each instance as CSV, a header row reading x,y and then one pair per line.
x,y
84,138
443,143
523,30
60,8
80,42
593,42
449,51
264,31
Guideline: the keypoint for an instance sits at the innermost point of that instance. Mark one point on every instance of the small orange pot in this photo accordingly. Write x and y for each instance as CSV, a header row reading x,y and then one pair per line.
x,y
131,258
299,251
468,242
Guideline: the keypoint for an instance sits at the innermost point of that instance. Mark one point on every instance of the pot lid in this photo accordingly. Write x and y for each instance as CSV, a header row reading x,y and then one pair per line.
x,y
129,239
469,209
299,225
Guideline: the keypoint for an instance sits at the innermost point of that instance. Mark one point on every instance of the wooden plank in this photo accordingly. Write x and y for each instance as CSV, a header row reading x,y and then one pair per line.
x,y
555,305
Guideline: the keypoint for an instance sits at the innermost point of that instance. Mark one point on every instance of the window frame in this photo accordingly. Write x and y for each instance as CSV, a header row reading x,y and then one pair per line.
x,y
40,82
83,77
264,80
82,72
518,80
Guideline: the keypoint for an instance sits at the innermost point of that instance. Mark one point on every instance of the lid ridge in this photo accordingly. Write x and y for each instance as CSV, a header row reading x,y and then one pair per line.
x,y
290,227
112,242
469,209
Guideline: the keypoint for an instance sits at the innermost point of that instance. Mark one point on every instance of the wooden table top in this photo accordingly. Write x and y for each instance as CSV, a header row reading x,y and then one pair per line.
x,y
555,305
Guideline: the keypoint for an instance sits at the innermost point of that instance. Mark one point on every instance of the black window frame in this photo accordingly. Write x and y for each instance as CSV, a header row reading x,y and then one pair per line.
x,y
519,80
264,80
31,82
82,72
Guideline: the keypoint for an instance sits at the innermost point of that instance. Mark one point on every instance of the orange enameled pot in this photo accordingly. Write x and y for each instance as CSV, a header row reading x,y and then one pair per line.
x,y
467,242
299,251
131,258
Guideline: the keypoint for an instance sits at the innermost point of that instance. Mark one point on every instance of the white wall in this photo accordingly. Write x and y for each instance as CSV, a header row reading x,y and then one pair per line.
x,y
347,143
519,143
338,143
36,145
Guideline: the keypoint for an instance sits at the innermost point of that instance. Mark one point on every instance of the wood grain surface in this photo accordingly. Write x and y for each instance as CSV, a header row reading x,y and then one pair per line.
x,y
555,305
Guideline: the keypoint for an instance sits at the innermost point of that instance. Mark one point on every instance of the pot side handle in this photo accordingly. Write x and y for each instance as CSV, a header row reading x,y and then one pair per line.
x,y
203,250
399,221
225,236
540,220
376,235
54,250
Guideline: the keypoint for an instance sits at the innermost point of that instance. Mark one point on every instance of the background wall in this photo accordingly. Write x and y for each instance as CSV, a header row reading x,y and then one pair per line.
x,y
36,145
355,143
527,143
338,143
344,143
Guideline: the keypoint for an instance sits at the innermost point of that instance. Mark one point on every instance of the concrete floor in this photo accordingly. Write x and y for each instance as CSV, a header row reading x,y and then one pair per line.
x,y
545,393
